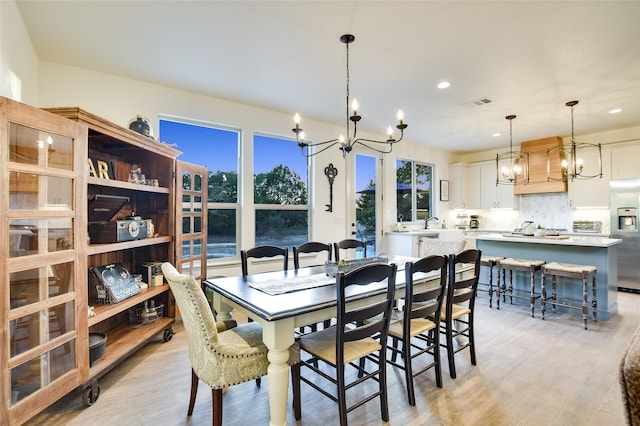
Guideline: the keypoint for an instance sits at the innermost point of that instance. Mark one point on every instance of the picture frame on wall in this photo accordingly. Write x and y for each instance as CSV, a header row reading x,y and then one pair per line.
x,y
444,190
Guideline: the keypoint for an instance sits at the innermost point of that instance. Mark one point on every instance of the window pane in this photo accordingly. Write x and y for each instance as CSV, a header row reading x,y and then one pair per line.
x,y
403,189
424,187
221,233
366,201
36,147
31,236
38,192
217,149
414,189
282,228
280,172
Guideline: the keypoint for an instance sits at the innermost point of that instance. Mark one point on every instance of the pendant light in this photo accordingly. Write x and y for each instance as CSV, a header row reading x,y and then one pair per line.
x,y
572,157
512,167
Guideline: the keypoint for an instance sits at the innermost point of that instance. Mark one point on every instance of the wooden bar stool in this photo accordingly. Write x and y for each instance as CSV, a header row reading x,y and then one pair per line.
x,y
512,264
569,270
490,262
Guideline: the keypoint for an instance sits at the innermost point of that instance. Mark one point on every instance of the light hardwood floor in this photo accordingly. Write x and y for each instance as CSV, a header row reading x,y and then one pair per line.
x,y
529,372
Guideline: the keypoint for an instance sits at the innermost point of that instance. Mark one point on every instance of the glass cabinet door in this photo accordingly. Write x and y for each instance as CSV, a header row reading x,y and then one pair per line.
x,y
39,219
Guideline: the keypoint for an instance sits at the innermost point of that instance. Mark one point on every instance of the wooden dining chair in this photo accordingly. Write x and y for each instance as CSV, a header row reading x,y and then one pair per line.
x,y
419,328
263,251
219,358
360,333
457,318
349,244
309,247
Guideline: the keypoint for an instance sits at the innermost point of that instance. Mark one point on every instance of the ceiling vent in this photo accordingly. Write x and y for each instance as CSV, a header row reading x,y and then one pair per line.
x,y
481,101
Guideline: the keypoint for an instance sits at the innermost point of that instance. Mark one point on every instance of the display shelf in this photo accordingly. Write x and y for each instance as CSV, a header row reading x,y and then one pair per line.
x,y
126,245
123,341
104,312
127,185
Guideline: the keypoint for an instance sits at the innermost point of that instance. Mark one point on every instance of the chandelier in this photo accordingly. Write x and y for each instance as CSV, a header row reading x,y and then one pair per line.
x,y
347,144
512,167
572,165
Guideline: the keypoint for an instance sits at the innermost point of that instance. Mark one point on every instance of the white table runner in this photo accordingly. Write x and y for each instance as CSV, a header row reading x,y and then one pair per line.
x,y
288,285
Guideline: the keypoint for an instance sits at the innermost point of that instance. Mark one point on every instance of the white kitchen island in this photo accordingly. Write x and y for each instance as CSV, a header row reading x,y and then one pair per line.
x,y
597,251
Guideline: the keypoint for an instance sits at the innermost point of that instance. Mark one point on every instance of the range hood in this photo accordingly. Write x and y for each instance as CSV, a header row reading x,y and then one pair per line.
x,y
538,183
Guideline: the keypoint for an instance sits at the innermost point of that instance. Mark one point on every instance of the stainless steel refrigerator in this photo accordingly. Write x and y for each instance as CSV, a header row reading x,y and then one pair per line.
x,y
625,204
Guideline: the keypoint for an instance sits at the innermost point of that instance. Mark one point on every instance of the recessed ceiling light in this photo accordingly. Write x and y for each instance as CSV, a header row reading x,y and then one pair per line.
x,y
495,135
443,85
615,111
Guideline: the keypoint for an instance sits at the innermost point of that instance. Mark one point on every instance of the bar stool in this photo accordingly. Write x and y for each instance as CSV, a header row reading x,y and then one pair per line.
x,y
490,262
512,264
556,269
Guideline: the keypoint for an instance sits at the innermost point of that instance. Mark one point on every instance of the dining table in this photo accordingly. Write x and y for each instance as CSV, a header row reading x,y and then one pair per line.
x,y
284,301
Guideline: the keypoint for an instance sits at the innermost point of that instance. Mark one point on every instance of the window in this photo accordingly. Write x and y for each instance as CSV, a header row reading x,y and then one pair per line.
x,y
414,187
217,149
280,192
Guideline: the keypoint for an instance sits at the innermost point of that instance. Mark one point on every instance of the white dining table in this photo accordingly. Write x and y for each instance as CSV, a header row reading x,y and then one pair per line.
x,y
281,314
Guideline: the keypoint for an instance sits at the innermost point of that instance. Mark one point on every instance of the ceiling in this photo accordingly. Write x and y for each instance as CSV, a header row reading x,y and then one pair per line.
x,y
528,57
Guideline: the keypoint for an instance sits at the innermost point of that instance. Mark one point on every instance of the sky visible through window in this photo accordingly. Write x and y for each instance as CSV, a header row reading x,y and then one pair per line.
x,y
198,145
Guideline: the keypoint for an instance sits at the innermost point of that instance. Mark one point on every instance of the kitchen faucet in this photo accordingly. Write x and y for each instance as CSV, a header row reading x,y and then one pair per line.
x,y
426,222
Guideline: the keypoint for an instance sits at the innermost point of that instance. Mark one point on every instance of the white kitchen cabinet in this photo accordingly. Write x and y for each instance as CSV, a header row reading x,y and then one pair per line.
x,y
624,161
403,244
593,192
425,243
464,186
494,196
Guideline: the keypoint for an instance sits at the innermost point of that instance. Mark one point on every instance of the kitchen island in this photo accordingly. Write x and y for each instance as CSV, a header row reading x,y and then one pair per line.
x,y
600,252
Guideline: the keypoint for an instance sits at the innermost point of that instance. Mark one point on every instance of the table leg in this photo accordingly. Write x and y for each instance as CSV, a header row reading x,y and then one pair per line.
x,y
223,311
278,336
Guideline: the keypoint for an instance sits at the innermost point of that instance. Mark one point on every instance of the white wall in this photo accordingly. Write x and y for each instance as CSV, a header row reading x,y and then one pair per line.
x,y
18,59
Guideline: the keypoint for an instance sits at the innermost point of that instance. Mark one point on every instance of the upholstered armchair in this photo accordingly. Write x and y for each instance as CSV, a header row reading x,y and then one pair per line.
x,y
218,358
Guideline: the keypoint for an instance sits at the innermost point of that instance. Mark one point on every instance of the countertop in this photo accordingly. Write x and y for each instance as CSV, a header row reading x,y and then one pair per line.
x,y
585,241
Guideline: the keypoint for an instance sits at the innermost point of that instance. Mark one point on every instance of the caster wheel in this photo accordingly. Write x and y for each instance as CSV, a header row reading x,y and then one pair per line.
x,y
168,334
91,394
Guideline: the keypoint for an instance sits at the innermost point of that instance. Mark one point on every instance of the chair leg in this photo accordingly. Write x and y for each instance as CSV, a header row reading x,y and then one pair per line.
x,y
342,397
382,376
216,397
408,371
258,381
450,353
436,355
194,391
472,340
394,353
295,384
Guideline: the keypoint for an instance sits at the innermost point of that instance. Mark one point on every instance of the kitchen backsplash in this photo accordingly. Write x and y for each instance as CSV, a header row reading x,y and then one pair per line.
x,y
550,210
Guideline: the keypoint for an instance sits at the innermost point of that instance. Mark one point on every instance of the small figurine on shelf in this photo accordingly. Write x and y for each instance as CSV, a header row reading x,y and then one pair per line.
x,y
135,175
151,229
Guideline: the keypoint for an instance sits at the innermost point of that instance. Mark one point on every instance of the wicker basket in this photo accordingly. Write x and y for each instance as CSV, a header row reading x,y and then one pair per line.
x,y
141,316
